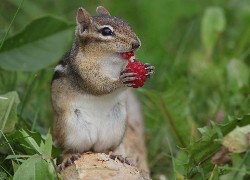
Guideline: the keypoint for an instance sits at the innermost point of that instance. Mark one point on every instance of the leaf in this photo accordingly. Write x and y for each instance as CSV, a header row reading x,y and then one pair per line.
x,y
237,74
17,156
24,141
15,166
238,171
41,43
213,23
34,168
200,152
42,170
48,145
238,164
3,175
236,141
8,109
214,174
30,141
27,169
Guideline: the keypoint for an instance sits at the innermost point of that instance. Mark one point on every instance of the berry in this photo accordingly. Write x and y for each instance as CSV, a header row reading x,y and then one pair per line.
x,y
137,67
127,55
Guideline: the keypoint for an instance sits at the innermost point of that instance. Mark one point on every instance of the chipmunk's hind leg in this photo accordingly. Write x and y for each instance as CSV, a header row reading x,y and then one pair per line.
x,y
68,160
120,154
122,159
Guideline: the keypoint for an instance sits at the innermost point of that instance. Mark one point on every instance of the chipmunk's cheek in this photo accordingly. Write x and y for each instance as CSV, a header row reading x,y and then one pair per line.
x,y
121,48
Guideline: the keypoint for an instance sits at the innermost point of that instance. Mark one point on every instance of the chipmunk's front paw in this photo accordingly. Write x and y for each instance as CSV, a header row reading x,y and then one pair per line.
x,y
68,161
128,78
150,70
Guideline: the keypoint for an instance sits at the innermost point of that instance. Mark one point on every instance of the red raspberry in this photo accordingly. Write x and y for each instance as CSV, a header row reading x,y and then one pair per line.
x,y
127,55
137,67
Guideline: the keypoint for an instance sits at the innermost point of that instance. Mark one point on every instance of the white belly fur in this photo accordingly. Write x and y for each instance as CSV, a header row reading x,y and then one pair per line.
x,y
96,122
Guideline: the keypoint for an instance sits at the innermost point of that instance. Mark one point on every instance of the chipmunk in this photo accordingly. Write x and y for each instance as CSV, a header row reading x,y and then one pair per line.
x,y
89,86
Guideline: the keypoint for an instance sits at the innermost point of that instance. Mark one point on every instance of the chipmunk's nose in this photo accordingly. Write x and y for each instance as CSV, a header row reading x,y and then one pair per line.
x,y
135,45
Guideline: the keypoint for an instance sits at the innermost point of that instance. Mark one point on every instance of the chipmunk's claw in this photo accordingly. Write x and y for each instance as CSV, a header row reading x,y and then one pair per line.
x,y
128,78
149,66
150,70
150,74
122,159
68,162
130,84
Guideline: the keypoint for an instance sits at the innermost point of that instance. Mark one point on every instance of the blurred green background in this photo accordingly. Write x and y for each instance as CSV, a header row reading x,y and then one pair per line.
x,y
201,51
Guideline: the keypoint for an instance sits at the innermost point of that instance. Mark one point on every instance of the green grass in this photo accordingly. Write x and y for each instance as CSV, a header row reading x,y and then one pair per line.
x,y
201,53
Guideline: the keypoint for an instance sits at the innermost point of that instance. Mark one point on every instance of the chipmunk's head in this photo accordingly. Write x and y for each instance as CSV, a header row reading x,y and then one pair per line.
x,y
105,33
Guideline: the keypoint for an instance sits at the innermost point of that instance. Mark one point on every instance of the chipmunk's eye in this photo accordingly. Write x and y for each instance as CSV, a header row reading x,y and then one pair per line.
x,y
106,31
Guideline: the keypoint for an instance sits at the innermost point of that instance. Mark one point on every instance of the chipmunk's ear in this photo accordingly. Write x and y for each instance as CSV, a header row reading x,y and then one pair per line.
x,y
101,11
83,18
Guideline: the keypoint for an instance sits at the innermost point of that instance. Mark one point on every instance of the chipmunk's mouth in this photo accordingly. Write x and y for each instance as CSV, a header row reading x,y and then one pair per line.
x,y
127,55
